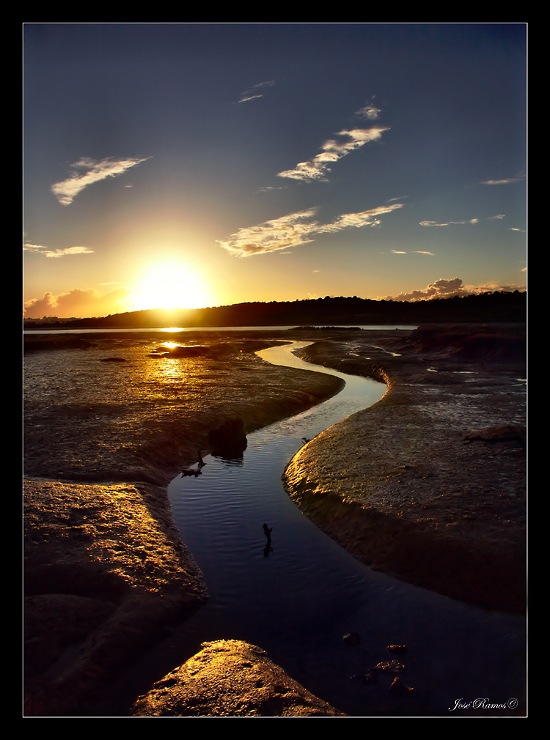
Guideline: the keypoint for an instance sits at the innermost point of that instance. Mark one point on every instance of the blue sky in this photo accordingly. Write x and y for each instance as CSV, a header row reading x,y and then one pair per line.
x,y
191,165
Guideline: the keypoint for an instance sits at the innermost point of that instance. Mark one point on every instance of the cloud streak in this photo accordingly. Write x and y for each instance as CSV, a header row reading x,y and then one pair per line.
x,y
505,181
414,251
252,93
449,223
87,171
56,253
296,229
332,151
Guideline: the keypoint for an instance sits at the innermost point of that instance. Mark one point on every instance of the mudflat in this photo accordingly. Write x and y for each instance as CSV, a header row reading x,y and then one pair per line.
x,y
109,421
428,484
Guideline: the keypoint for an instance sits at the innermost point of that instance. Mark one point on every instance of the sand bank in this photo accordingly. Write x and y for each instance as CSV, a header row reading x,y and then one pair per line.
x,y
105,573
429,484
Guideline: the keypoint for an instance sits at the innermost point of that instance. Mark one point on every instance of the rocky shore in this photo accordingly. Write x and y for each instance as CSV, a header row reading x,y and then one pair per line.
x,y
428,485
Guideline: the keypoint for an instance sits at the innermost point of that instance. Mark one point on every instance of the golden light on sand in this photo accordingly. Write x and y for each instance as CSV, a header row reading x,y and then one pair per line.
x,y
170,285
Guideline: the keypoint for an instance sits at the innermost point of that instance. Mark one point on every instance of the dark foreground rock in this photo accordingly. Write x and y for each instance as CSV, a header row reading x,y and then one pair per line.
x,y
230,678
228,440
104,575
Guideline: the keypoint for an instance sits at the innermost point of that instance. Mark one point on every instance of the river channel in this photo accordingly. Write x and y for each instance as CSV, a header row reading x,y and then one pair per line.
x,y
298,595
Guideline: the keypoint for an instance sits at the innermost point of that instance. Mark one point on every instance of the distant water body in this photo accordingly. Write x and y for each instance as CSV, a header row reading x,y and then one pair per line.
x,y
298,594
53,330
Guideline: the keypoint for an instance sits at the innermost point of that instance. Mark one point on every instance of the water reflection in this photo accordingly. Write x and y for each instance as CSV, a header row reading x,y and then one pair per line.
x,y
298,597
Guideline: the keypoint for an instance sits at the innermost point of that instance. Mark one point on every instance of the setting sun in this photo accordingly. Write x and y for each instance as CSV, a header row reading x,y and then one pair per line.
x,y
170,285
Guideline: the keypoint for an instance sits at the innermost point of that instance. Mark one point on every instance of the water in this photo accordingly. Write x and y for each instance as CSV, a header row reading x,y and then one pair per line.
x,y
144,330
297,599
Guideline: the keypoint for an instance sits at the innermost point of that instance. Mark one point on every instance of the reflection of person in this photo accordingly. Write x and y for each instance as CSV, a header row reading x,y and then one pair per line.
x,y
268,531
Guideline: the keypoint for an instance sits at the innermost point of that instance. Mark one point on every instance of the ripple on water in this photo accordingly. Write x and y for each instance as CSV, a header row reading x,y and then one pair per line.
x,y
298,598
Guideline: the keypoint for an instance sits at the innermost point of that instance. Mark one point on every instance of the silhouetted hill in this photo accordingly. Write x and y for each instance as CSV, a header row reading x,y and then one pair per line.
x,y
485,307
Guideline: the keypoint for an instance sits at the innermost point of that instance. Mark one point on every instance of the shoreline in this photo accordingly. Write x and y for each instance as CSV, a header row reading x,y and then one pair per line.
x,y
142,614
105,571
429,484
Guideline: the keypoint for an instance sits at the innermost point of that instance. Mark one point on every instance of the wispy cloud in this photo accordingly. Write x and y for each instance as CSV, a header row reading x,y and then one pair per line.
x,y
331,151
505,181
413,251
368,111
449,223
473,221
253,92
296,229
87,172
47,252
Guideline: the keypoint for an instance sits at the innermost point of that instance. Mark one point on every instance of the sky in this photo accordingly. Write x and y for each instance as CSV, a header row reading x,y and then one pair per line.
x,y
190,165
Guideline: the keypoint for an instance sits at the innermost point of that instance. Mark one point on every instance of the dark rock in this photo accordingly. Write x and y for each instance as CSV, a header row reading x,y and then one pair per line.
x,y
504,433
399,649
398,687
393,666
352,638
228,440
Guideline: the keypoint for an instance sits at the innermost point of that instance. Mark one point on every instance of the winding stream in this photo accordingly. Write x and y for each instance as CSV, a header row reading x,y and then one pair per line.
x,y
298,598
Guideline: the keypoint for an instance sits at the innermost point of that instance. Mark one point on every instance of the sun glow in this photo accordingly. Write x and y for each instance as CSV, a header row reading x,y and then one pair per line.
x,y
170,285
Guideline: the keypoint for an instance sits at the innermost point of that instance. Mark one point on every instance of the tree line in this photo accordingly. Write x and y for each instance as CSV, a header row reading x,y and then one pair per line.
x,y
498,306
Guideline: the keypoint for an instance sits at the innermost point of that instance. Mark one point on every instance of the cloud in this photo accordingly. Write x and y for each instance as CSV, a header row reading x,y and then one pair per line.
x,y
505,181
369,111
76,303
442,288
414,251
296,229
448,223
87,171
448,288
55,253
331,151
252,94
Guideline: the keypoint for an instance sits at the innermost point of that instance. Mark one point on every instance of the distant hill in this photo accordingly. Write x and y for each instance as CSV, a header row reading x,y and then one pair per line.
x,y
485,307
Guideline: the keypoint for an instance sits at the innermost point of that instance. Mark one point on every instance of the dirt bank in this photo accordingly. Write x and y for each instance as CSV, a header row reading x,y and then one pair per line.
x,y
109,421
429,484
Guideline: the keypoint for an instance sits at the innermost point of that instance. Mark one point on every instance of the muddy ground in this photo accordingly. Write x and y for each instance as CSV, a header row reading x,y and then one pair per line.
x,y
105,573
429,484
109,421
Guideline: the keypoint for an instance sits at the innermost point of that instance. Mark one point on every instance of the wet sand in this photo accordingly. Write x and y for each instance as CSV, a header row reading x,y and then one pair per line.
x,y
429,484
105,573
101,550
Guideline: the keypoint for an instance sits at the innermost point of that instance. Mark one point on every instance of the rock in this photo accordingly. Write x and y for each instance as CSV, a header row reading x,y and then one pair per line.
x,y
504,433
392,666
228,440
399,649
230,678
398,687
352,638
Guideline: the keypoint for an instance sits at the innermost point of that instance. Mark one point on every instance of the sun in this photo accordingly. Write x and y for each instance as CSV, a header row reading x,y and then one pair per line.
x,y
170,285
